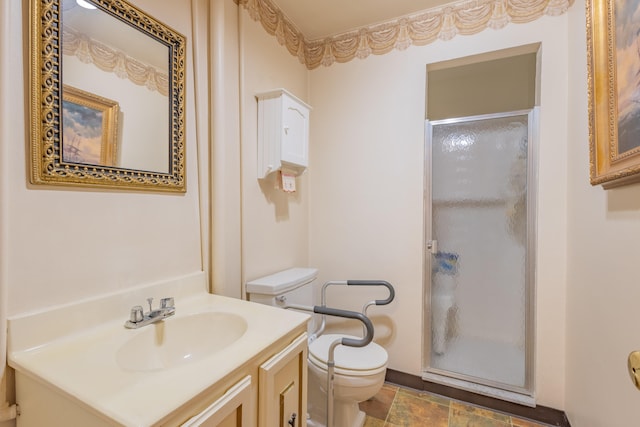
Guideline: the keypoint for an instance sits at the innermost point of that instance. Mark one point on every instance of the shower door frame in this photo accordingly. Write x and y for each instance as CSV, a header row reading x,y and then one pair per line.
x,y
523,395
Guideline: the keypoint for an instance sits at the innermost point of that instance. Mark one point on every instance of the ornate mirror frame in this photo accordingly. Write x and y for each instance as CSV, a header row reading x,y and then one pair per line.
x,y
46,162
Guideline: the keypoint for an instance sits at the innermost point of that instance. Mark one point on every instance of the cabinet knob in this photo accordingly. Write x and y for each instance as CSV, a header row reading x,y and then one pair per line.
x,y
292,421
634,368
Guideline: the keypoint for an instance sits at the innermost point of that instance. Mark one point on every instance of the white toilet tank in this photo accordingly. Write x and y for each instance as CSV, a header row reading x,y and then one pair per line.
x,y
292,286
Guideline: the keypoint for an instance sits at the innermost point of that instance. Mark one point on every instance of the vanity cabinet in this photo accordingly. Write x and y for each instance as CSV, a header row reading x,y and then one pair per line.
x,y
270,391
265,392
281,394
231,410
283,387
236,363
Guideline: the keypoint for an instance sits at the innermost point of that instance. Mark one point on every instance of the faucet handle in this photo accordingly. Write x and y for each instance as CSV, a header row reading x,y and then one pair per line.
x,y
166,302
136,314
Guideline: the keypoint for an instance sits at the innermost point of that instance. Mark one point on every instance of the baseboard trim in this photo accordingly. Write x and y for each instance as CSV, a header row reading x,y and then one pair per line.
x,y
543,414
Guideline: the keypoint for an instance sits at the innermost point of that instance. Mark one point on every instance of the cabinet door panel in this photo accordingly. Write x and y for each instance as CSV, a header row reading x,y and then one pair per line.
x,y
283,387
295,121
289,404
230,410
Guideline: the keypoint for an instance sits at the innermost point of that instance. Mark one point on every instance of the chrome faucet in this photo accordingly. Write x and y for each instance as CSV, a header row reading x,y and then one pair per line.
x,y
138,318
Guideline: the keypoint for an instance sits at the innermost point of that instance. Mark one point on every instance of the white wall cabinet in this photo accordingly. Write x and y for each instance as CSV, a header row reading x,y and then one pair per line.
x,y
283,133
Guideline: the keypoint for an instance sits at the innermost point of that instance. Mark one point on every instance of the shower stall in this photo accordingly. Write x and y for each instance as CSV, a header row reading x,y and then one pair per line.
x,y
479,254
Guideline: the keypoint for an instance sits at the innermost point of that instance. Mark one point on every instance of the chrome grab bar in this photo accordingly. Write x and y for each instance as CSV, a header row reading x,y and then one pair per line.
x,y
323,295
351,342
392,292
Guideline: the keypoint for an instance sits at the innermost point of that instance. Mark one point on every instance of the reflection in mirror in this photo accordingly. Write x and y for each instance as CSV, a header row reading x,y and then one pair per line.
x,y
89,132
120,119
106,57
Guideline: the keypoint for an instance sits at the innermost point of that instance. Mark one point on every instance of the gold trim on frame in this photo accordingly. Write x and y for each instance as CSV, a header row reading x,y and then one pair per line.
x,y
462,17
606,165
46,163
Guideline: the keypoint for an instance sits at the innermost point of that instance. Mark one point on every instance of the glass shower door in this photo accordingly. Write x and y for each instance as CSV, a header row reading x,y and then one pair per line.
x,y
479,252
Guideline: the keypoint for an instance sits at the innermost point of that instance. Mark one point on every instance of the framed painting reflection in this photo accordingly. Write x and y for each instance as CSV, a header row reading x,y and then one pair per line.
x,y
89,128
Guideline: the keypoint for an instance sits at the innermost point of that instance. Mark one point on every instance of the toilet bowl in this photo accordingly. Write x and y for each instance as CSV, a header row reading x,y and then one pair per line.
x,y
359,371
358,375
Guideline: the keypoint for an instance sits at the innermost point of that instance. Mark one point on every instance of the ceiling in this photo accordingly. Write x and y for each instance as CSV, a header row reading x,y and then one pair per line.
x,y
319,19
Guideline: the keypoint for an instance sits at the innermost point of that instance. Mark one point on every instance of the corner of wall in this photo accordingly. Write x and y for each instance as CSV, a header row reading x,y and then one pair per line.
x,y
7,16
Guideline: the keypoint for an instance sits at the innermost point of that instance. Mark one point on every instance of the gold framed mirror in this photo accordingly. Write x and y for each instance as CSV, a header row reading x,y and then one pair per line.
x,y
107,88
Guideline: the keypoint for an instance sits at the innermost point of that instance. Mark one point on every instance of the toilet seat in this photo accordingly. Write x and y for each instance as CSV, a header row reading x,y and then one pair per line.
x,y
354,361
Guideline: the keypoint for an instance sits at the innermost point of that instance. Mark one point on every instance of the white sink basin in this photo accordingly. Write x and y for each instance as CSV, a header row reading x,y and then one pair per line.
x,y
178,340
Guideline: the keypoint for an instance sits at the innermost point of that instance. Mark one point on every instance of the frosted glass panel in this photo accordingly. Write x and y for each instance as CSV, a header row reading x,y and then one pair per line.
x,y
478,273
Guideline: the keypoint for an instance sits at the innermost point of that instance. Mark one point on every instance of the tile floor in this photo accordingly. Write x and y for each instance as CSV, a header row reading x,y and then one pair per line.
x,y
396,406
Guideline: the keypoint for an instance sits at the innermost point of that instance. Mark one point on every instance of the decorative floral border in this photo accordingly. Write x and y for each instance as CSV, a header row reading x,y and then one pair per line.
x,y
463,17
90,51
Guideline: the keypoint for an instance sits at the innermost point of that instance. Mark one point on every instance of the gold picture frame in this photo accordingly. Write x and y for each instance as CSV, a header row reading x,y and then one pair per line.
x,y
90,126
52,27
613,57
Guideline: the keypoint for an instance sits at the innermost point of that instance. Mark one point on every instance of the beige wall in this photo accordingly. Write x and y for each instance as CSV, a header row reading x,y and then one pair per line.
x,y
274,224
366,218
602,286
65,244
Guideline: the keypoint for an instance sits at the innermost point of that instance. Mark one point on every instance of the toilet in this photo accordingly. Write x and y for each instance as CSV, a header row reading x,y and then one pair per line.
x,y
359,371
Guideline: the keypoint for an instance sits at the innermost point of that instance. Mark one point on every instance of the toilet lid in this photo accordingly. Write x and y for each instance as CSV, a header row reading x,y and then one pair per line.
x,y
367,358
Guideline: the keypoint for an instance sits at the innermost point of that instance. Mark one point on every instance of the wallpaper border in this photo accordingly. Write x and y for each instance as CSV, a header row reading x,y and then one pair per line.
x,y
442,23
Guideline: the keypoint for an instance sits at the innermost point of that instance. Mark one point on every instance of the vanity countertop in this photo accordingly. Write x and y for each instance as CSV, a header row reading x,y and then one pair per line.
x,y
82,363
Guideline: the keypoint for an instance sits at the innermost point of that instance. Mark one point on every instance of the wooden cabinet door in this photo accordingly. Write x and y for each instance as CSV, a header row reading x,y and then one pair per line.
x,y
230,410
282,387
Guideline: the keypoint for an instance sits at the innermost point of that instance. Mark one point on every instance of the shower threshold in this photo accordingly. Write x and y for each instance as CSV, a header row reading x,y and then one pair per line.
x,y
486,390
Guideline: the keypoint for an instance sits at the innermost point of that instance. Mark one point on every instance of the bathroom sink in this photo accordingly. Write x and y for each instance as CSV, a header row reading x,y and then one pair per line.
x,y
178,340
